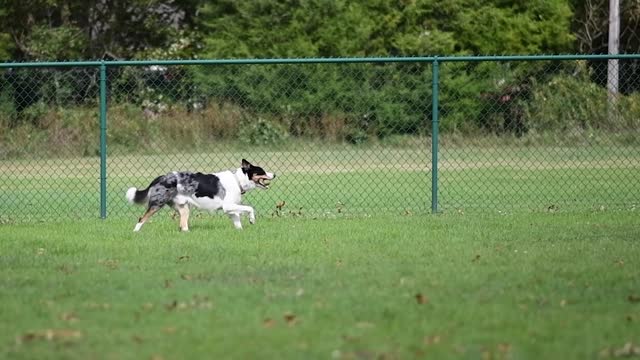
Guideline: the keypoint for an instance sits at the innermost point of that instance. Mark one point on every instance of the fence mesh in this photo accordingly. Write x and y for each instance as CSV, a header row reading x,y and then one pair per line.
x,y
344,138
548,136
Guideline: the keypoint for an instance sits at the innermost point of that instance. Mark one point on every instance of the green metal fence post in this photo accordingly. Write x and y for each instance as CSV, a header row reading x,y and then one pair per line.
x,y
435,69
103,140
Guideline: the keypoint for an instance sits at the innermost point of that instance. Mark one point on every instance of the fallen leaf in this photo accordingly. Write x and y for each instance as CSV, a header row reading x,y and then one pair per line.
x,y
186,277
184,258
95,306
476,258
111,264
169,330
137,339
349,338
172,305
629,349
633,298
268,323
364,325
290,319
421,299
66,269
432,340
563,303
63,335
69,317
504,348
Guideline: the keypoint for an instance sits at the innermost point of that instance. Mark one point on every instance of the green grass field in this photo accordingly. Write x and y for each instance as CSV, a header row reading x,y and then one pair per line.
x,y
345,180
518,286
534,256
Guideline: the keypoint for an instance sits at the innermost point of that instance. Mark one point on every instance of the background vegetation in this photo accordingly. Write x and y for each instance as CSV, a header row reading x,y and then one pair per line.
x,y
54,108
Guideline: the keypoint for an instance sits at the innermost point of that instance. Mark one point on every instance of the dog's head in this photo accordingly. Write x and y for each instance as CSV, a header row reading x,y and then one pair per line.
x,y
256,175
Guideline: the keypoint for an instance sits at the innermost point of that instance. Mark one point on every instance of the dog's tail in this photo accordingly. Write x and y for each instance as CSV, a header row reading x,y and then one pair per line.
x,y
135,196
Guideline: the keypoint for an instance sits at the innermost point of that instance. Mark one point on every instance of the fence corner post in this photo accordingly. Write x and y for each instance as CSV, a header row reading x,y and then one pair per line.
x,y
103,140
435,79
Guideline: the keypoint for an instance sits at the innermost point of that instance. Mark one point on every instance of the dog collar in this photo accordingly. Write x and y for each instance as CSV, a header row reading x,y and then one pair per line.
x,y
242,191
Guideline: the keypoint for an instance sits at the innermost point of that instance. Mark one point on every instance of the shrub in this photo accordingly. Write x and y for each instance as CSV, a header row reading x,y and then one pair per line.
x,y
262,132
566,105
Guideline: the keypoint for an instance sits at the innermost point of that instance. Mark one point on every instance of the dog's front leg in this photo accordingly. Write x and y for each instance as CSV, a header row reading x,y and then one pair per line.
x,y
234,211
235,217
183,210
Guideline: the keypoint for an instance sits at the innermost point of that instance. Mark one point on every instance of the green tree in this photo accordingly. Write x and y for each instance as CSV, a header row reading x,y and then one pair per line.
x,y
74,29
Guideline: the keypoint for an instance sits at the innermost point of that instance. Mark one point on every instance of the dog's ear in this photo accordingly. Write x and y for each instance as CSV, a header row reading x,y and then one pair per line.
x,y
245,164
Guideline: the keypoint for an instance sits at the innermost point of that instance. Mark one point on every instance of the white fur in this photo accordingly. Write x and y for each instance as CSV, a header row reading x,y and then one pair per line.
x,y
131,193
234,184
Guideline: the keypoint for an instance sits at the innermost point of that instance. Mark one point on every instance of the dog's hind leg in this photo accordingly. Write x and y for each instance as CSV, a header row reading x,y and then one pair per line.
x,y
159,195
149,213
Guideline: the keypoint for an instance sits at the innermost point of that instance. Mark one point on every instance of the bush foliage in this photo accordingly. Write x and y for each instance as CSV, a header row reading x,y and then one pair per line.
x,y
353,103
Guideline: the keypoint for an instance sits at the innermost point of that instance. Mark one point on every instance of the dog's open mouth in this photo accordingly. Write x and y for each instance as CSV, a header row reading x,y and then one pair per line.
x,y
264,183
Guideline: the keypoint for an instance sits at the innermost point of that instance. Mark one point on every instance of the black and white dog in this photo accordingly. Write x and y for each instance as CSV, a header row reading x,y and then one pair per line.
x,y
221,190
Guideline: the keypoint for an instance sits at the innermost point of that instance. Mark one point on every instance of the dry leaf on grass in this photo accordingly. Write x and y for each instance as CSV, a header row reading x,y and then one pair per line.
x,y
364,325
633,298
290,318
627,350
172,305
110,264
137,339
421,299
268,323
63,335
432,340
69,317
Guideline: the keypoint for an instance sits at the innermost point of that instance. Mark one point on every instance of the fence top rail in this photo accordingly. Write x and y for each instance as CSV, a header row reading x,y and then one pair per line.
x,y
428,59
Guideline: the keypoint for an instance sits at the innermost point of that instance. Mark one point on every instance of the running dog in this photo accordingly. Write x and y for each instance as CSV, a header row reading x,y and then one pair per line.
x,y
221,190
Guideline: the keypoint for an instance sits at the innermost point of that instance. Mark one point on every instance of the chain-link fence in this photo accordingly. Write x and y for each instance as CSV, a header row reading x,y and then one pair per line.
x,y
345,136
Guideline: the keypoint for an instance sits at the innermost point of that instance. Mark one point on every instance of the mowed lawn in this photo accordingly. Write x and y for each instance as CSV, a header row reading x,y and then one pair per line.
x,y
542,285
344,180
